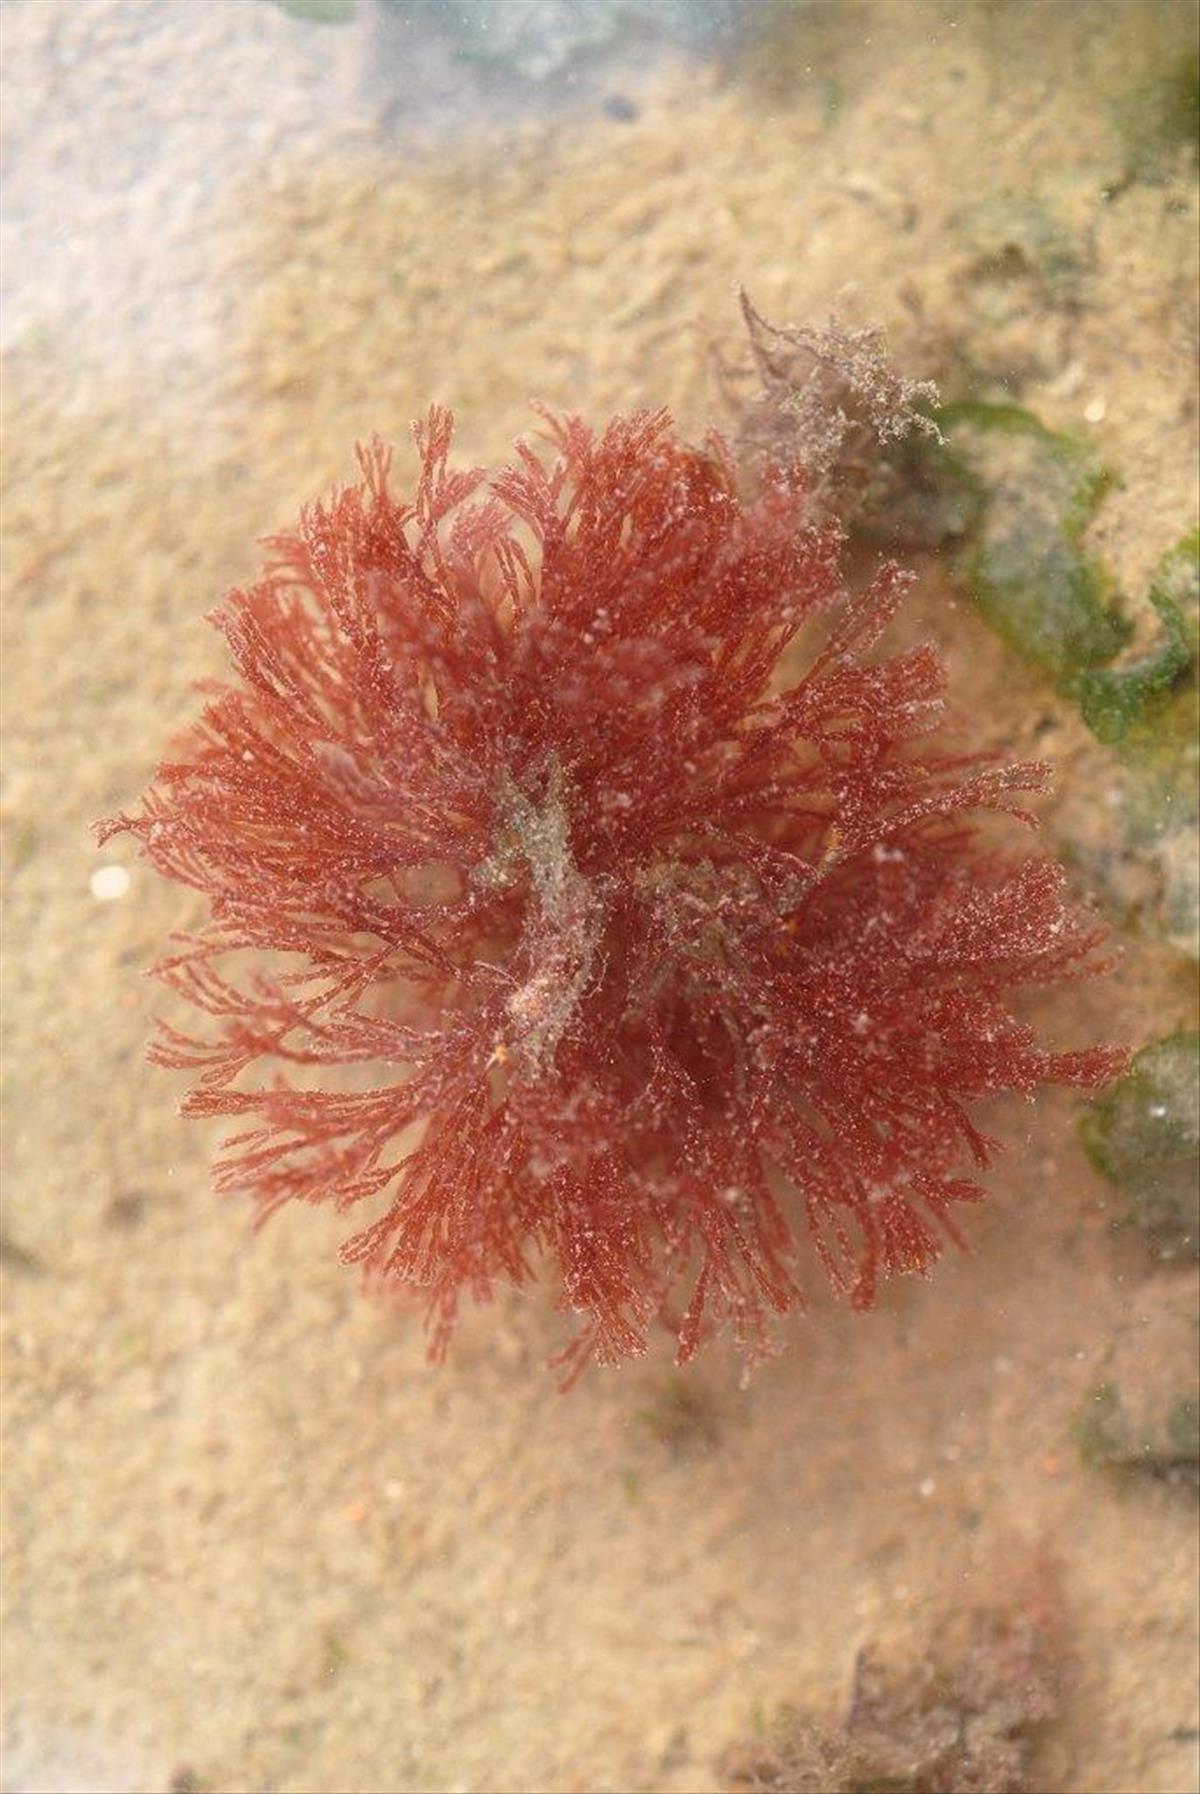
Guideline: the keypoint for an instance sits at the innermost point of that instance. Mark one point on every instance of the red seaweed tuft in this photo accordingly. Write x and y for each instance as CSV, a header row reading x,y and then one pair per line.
x,y
552,923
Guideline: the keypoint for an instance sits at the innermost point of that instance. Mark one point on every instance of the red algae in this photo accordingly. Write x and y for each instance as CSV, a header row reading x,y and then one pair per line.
x,y
659,968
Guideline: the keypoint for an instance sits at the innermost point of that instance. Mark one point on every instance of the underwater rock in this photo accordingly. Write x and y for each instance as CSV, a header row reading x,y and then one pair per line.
x,y
1143,1135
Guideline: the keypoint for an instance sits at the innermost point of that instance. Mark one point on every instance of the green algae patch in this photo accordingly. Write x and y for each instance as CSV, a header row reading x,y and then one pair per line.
x,y
1150,711
1118,700
1029,574
1143,1135
1036,490
1134,680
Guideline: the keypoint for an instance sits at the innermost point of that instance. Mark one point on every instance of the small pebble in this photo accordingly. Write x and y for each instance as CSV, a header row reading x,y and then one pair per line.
x,y
1096,411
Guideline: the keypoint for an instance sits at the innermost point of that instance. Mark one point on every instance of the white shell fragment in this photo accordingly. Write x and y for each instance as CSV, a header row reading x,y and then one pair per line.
x,y
108,883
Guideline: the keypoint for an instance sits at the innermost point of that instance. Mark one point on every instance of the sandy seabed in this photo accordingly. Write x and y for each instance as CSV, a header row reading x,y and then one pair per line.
x,y
251,1540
